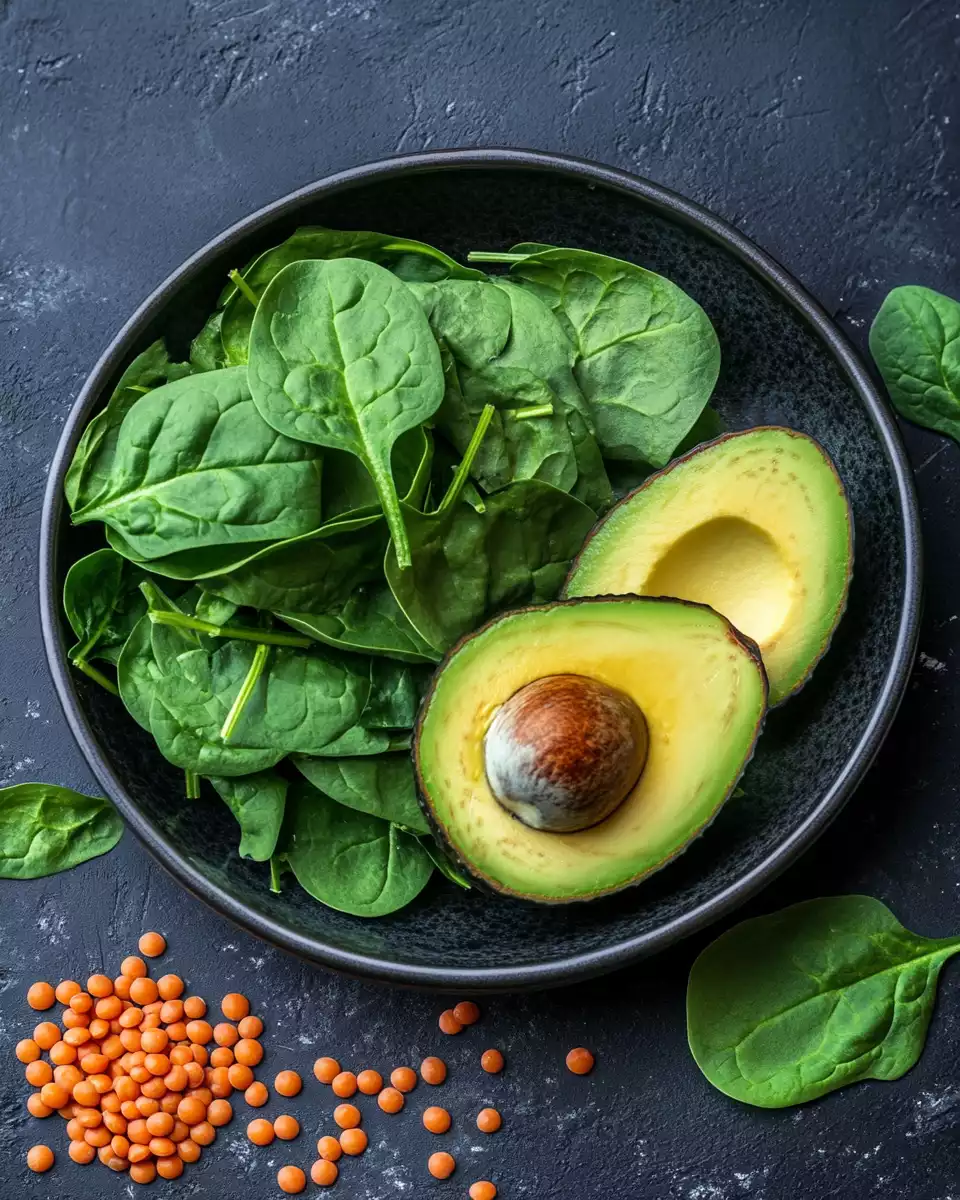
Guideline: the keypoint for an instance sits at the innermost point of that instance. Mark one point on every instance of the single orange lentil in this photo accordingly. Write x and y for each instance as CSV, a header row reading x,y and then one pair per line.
x,y
580,1061
222,1057
100,986
39,1159
286,1127
291,1180
347,1116
46,1034
324,1172
27,1050
67,1076
81,1153
203,1094
248,1052
170,987
353,1141
489,1120
436,1120
38,1073
483,1189
179,1132
89,1118
175,1080
66,989
220,1112
492,1061
226,1034
98,1136
369,1082
81,1002
191,1110
54,1095
75,1037
203,1134
152,944
329,1148
139,1153
143,1172
250,1027
36,1106
466,1012
391,1100
240,1077
433,1070
120,1145
159,1124
326,1069
219,1082
260,1132
344,1085
143,990
74,1020
108,1008
154,1041
256,1094
86,1094
448,1022
194,1007
288,1083
441,1165
133,967
170,1167
235,1006
41,996
199,1032
121,987
404,1079
171,1011
188,1150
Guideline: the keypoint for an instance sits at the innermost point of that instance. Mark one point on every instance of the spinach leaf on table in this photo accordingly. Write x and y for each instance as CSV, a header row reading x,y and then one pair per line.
x,y
383,786
469,565
405,257
102,602
915,341
341,355
647,357
349,860
88,475
195,465
784,1008
258,802
45,829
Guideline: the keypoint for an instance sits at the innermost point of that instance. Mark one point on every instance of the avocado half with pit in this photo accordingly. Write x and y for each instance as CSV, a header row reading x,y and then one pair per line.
x,y
567,751
755,524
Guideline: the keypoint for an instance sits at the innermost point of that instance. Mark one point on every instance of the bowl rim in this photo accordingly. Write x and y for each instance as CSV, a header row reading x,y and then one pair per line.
x,y
588,963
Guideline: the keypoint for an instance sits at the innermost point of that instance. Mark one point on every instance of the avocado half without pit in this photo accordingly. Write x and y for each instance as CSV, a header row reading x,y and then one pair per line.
x,y
755,524
567,751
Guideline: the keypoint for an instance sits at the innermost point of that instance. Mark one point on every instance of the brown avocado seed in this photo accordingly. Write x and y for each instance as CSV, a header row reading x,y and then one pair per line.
x,y
563,752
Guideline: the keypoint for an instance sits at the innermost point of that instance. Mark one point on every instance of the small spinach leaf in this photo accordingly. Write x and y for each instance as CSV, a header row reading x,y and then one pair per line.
x,y
383,786
784,1008
45,829
915,340
342,356
206,349
102,601
258,802
349,860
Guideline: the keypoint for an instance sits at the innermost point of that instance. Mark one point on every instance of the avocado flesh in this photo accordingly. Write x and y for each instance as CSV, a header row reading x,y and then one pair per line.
x,y
700,686
755,524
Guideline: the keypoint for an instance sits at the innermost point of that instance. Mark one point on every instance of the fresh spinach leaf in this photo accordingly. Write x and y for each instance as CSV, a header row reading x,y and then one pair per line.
x,y
369,621
258,802
194,465
102,601
444,865
349,860
45,829
206,349
88,475
408,259
342,356
915,341
647,357
383,786
784,1008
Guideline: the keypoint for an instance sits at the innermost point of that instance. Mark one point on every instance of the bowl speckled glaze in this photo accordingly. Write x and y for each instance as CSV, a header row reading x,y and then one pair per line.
x,y
784,362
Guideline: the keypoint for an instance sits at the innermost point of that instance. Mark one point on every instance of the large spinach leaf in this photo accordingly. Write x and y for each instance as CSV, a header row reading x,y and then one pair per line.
x,y
785,1008
469,565
405,257
383,786
915,340
102,601
647,357
195,465
258,802
88,475
369,621
45,829
350,860
341,355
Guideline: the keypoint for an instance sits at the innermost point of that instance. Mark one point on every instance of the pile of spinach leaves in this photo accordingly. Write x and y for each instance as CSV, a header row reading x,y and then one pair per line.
x,y
370,450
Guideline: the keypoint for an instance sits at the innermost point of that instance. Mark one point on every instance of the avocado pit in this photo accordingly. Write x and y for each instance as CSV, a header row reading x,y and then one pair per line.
x,y
564,752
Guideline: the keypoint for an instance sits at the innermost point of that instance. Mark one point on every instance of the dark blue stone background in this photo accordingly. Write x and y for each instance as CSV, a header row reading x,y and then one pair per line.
x,y
133,130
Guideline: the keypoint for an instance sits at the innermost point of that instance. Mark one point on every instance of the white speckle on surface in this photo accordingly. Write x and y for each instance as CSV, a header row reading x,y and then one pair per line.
x,y
32,710
932,664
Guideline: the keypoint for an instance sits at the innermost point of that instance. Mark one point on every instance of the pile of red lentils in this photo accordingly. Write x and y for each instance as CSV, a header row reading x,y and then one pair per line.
x,y
144,1080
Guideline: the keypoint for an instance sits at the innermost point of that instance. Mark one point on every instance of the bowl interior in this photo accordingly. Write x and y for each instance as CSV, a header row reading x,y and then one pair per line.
x,y
776,369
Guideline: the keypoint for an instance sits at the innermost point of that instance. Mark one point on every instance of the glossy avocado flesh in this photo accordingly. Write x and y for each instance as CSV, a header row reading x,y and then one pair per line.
x,y
755,524
698,683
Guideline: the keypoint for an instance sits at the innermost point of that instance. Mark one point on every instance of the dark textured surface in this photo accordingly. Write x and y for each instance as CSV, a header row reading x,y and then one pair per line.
x,y
130,134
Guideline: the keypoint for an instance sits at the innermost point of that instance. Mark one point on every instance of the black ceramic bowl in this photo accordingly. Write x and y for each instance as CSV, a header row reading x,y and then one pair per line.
x,y
784,362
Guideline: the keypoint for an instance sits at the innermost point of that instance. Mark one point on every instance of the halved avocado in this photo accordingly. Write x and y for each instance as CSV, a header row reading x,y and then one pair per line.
x,y
702,692
755,524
